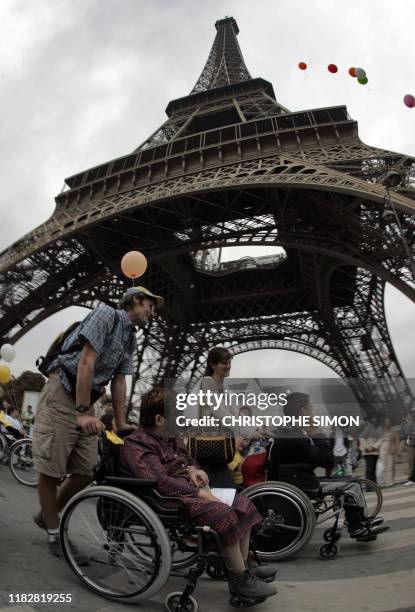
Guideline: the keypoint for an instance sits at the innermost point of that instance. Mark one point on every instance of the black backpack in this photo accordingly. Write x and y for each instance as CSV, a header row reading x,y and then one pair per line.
x,y
43,362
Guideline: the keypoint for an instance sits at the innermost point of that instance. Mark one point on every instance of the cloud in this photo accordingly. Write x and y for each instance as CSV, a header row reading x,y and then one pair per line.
x,y
82,82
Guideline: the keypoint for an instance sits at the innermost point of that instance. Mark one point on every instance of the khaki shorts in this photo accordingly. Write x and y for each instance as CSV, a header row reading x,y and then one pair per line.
x,y
58,448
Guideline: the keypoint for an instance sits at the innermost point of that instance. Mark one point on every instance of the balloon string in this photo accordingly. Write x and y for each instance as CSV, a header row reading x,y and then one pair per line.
x,y
10,398
14,395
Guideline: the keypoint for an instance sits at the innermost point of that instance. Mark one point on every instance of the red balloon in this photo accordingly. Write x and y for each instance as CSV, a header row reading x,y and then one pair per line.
x,y
352,72
332,68
409,100
302,66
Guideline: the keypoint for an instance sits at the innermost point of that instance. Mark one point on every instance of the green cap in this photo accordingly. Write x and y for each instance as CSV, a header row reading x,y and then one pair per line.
x,y
142,291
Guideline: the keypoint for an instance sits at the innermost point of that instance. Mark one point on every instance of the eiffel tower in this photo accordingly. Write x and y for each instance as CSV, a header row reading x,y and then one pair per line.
x,y
231,166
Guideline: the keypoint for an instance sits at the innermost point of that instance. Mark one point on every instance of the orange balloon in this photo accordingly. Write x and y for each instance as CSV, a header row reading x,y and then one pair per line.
x,y
352,72
133,264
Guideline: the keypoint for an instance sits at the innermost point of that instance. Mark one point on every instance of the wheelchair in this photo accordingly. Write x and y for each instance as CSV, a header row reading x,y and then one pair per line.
x,y
17,452
135,538
294,504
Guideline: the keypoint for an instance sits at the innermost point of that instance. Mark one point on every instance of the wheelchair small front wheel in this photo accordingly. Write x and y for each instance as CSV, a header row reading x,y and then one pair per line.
x,y
172,603
329,536
328,551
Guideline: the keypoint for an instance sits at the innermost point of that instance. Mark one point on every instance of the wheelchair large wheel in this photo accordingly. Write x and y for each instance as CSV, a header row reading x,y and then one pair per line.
x,y
288,519
127,545
373,496
21,462
181,559
3,447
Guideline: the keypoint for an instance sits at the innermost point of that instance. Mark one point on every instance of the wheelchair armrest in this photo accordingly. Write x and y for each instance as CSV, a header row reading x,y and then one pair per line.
x,y
127,481
157,502
150,495
302,476
165,498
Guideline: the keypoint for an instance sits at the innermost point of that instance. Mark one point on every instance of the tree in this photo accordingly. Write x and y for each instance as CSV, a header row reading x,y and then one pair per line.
x,y
27,381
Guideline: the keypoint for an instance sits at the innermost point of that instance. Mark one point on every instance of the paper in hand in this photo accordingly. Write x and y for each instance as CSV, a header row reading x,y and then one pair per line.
x,y
226,496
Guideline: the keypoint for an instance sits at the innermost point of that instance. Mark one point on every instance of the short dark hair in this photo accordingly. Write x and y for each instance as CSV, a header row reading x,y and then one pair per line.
x,y
295,402
127,301
107,420
152,404
215,356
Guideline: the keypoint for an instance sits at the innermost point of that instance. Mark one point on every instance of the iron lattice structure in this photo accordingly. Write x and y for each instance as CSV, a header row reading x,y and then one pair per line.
x,y
229,167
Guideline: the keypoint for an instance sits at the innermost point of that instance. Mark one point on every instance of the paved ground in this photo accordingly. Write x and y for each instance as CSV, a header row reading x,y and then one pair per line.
x,y
375,577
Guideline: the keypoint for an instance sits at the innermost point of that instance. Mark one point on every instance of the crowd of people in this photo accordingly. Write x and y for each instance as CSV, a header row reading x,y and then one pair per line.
x,y
16,424
98,352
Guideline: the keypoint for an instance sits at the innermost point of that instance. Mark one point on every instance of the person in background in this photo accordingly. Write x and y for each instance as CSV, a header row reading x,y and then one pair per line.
x,y
15,426
28,416
339,443
410,443
236,464
389,446
370,440
249,433
355,453
107,406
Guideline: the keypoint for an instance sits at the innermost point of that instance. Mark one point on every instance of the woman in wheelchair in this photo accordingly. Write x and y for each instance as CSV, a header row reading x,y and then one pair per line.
x,y
296,453
151,453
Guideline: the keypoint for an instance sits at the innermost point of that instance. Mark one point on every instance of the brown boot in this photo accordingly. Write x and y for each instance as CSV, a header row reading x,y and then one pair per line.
x,y
247,586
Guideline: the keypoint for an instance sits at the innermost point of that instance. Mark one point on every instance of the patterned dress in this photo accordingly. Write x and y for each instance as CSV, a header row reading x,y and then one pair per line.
x,y
147,455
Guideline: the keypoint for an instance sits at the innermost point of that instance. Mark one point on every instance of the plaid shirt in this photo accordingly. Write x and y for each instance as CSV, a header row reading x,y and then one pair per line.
x,y
112,336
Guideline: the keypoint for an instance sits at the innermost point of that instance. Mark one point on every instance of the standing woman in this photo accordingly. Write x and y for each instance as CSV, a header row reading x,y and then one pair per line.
x,y
387,452
218,367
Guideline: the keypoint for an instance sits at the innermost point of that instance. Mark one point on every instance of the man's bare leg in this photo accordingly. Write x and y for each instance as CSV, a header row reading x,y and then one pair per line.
x,y
48,497
71,485
53,500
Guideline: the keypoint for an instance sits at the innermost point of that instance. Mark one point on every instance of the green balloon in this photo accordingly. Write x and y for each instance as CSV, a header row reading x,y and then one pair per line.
x,y
363,80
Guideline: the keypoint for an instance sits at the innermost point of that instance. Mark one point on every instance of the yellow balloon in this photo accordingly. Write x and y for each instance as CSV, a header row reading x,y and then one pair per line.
x,y
5,374
134,264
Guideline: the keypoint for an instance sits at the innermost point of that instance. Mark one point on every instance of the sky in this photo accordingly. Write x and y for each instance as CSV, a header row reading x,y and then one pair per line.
x,y
86,81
